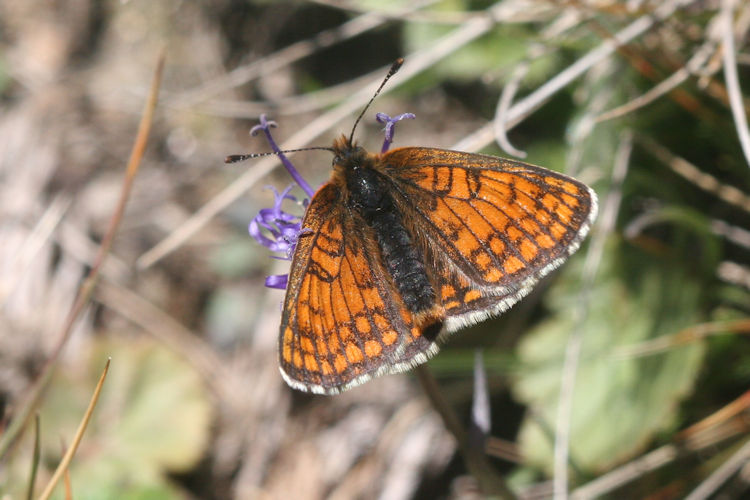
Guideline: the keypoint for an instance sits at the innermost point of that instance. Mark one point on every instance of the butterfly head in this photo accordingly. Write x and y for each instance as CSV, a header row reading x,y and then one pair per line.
x,y
347,155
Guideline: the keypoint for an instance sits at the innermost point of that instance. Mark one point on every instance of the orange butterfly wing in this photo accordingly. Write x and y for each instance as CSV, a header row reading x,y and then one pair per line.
x,y
493,226
343,321
490,228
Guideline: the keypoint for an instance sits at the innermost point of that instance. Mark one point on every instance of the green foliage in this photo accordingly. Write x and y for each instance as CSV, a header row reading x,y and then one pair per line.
x,y
5,79
619,403
640,292
472,61
237,257
153,417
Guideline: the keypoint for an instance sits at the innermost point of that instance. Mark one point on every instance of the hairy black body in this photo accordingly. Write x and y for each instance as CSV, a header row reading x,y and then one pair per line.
x,y
369,195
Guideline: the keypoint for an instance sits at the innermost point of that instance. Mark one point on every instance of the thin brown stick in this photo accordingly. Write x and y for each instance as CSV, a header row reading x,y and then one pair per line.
x,y
704,435
693,66
68,457
726,412
290,54
524,107
686,336
416,63
706,182
87,287
168,331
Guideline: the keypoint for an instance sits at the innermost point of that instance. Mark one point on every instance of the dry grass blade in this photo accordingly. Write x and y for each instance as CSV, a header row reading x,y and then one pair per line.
x,y
290,54
734,273
415,64
34,459
503,105
627,473
565,22
693,66
734,234
393,14
591,265
707,182
68,457
732,80
481,419
524,107
686,336
167,330
87,288
503,449
734,408
68,486
727,423
633,30
36,239
708,487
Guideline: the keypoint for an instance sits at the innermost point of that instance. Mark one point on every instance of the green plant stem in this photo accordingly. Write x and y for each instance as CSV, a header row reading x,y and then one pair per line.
x,y
34,459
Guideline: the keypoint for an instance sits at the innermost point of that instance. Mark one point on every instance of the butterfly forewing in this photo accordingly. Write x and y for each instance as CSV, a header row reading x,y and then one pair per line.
x,y
343,320
492,226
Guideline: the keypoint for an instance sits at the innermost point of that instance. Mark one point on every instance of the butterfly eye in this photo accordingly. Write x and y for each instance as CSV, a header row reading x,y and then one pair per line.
x,y
336,160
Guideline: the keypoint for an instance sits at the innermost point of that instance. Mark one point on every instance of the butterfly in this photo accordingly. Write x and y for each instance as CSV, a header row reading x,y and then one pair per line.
x,y
399,249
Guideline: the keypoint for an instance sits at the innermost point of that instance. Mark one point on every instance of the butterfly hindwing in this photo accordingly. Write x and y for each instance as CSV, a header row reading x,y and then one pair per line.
x,y
343,321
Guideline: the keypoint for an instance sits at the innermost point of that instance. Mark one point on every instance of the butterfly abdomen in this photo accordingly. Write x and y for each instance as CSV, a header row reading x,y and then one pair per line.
x,y
370,196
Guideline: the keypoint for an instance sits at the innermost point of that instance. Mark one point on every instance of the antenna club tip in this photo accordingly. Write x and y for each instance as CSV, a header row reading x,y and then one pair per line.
x,y
397,64
234,158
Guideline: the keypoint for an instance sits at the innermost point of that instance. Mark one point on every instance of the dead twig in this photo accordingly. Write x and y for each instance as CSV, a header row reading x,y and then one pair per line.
x,y
86,290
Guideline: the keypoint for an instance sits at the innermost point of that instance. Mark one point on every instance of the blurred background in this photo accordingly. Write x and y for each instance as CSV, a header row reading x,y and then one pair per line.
x,y
631,361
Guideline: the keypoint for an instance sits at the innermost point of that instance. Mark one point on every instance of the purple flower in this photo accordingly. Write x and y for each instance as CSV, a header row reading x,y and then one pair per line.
x,y
283,226
279,231
390,127
284,229
265,127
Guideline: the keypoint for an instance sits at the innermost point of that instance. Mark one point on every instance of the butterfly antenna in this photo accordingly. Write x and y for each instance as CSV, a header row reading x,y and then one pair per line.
x,y
238,158
394,68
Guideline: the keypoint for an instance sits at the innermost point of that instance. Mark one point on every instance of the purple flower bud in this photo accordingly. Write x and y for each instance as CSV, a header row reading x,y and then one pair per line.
x,y
283,227
277,281
265,127
390,127
279,231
